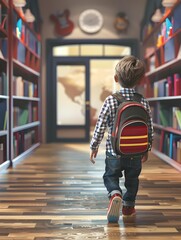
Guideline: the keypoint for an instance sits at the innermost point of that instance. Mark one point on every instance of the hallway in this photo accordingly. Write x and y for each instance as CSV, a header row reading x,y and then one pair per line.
x,y
56,193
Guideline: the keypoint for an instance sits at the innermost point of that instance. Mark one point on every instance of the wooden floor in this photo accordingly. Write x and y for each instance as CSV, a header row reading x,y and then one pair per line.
x,y
57,194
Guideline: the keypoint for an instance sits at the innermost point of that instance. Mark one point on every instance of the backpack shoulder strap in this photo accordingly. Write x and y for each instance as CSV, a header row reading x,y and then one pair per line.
x,y
119,97
137,97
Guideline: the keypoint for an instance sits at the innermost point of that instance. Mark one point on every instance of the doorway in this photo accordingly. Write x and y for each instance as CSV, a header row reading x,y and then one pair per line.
x,y
79,78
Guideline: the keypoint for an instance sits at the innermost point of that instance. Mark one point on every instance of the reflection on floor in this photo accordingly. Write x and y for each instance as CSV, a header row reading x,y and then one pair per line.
x,y
57,193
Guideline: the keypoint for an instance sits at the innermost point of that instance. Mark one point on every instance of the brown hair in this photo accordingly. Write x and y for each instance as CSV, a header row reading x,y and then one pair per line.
x,y
129,71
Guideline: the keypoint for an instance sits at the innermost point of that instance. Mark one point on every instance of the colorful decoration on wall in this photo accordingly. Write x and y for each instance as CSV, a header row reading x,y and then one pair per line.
x,y
62,24
121,22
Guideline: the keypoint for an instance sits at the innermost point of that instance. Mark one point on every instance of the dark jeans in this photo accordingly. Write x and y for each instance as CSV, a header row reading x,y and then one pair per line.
x,y
115,167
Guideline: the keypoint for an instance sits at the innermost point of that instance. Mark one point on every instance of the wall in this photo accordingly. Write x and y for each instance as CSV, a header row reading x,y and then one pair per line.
x,y
109,9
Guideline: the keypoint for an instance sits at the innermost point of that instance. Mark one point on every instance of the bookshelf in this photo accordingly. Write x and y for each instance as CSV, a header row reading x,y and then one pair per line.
x,y
20,64
162,85
4,97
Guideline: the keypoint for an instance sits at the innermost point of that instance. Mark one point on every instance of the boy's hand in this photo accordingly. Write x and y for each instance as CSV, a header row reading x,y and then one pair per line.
x,y
145,158
93,155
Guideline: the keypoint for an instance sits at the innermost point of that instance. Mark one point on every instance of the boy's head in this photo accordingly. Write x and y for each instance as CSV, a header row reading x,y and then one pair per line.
x,y
129,71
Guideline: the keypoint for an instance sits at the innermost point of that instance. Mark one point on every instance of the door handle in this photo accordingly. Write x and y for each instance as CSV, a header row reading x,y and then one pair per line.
x,y
87,103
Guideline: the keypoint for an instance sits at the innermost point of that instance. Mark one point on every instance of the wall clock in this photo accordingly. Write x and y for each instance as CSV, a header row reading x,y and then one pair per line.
x,y
90,21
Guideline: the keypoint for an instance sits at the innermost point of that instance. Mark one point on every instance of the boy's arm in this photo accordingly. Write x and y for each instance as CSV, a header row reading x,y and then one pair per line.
x,y
93,155
99,131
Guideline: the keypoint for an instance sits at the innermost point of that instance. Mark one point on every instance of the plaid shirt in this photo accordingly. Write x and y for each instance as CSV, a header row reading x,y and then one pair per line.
x,y
107,116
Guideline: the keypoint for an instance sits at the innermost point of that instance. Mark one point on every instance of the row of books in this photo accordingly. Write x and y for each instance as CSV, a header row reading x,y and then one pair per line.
x,y
25,34
23,141
170,86
1,153
21,53
167,116
158,58
169,144
3,114
22,116
25,88
3,83
26,57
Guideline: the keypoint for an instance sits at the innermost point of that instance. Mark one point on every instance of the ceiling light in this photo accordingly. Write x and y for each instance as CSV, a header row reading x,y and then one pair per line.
x,y
19,3
29,17
168,3
157,16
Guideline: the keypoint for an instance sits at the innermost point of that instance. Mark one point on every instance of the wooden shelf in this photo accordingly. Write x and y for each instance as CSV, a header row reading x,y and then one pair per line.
x,y
26,153
170,98
20,98
26,126
4,97
167,129
165,69
3,133
26,72
167,159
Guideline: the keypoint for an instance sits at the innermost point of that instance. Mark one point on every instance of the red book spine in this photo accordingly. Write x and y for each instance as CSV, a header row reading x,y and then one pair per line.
x,y
177,84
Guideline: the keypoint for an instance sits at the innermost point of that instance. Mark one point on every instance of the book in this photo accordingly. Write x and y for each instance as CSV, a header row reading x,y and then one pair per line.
x,y
177,84
162,88
174,120
169,50
178,117
170,85
3,109
178,151
4,83
165,116
1,153
21,52
176,18
4,46
23,118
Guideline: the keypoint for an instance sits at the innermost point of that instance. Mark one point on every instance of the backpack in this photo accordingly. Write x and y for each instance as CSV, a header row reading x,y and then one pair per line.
x,y
130,135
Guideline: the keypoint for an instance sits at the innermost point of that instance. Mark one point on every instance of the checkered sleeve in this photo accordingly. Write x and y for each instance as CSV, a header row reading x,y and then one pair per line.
x,y
100,126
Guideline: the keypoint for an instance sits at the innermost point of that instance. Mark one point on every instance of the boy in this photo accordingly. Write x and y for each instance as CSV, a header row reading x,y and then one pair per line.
x,y
128,73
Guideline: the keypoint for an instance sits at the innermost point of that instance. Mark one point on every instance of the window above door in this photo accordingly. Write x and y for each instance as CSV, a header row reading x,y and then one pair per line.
x,y
91,50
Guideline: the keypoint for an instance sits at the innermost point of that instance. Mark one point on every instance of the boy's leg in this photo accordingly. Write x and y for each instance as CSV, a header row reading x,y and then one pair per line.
x,y
111,181
132,172
112,174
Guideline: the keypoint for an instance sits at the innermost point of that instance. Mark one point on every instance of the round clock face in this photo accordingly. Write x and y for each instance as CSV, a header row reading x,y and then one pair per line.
x,y
90,21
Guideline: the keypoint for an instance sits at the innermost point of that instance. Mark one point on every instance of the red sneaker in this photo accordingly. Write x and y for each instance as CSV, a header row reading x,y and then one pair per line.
x,y
113,211
128,211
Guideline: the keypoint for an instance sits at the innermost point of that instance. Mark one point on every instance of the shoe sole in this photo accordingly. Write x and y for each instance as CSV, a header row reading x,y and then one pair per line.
x,y
114,210
131,215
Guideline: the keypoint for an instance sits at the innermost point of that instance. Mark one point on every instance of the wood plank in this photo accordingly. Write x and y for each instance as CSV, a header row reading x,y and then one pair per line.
x,y
56,193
